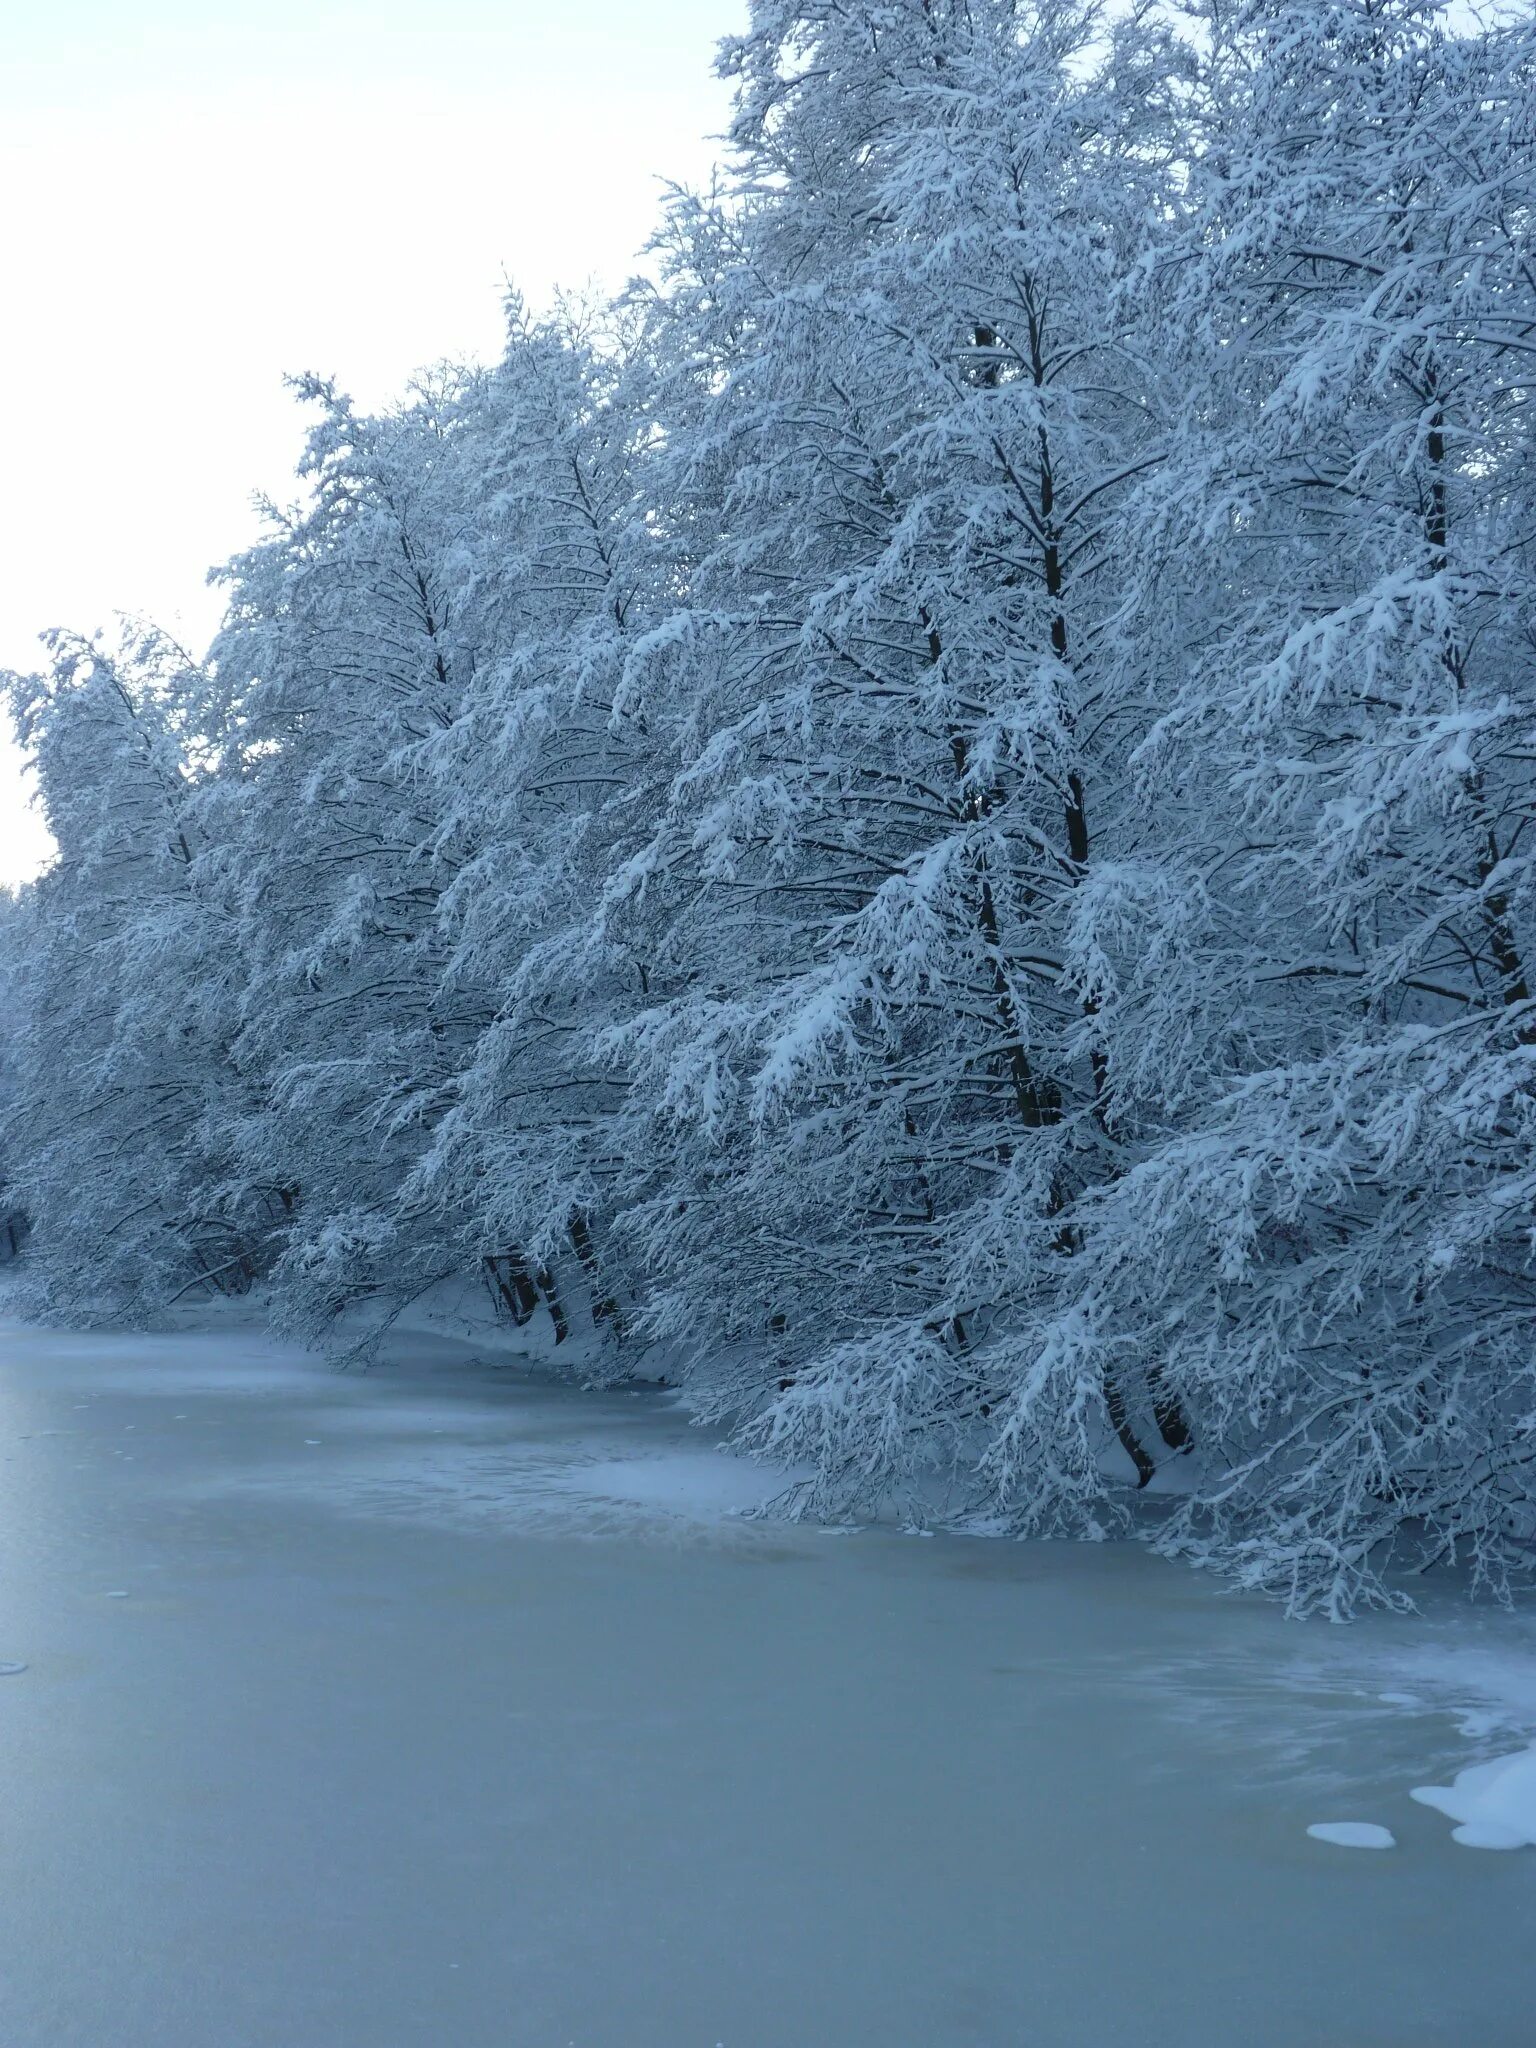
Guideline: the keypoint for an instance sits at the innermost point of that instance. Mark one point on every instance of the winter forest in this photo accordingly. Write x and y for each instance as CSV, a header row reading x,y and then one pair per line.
x,y
927,819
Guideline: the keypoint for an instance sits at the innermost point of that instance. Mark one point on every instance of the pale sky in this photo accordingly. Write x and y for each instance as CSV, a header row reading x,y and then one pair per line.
x,y
201,195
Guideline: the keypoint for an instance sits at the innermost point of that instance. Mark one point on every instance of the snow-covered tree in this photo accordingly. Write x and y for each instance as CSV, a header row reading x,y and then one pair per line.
x,y
895,711
546,792
342,653
417,675
1331,1254
120,1100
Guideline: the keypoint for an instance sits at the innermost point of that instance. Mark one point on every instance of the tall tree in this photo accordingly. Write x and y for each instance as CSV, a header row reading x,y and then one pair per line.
x,y
1331,1255
914,398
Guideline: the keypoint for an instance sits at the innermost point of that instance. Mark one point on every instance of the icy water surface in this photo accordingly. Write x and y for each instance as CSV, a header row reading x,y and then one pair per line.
x,y
435,1708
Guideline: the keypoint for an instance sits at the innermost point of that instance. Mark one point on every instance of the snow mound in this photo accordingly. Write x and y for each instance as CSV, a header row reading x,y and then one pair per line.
x,y
1495,1802
1352,1834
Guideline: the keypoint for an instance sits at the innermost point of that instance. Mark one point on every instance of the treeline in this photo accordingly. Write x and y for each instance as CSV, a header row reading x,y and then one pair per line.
x,y
933,812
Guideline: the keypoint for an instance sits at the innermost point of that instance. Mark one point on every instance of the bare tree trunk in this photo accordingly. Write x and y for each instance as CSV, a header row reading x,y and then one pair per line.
x,y
512,1284
545,1282
605,1309
1173,1424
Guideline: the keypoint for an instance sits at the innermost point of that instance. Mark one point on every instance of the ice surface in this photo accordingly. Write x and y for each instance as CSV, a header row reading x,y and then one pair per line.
x,y
508,1680
1352,1834
1495,1802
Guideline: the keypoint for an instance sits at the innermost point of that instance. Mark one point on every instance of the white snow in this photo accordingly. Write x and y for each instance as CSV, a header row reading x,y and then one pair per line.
x,y
1352,1834
1495,1802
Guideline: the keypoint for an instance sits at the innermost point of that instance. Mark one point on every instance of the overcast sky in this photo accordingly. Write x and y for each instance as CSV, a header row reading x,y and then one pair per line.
x,y
202,195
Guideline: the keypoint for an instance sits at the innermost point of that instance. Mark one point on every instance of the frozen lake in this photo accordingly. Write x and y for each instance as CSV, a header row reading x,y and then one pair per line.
x,y
435,1708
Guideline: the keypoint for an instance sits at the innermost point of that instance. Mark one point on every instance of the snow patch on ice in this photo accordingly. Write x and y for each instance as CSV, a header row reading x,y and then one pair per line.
x,y
1495,1803
1352,1834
